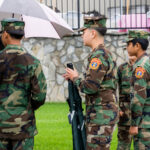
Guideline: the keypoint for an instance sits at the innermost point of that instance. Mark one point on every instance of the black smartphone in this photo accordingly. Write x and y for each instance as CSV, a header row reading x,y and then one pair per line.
x,y
70,65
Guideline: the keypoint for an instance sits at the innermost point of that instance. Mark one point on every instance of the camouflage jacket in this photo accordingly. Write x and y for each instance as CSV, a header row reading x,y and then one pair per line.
x,y
140,104
124,75
22,90
99,86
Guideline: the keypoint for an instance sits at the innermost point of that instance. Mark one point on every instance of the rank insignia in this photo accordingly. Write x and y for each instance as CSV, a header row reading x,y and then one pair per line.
x,y
139,72
95,62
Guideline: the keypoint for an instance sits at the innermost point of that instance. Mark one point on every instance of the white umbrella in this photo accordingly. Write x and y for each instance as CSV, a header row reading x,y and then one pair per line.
x,y
35,27
25,7
54,27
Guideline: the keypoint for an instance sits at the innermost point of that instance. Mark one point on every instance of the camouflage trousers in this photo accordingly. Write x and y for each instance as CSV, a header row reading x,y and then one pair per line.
x,y
124,138
25,144
99,137
142,139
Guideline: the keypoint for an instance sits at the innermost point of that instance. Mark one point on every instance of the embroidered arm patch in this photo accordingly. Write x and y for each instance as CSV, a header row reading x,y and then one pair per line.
x,y
139,72
95,62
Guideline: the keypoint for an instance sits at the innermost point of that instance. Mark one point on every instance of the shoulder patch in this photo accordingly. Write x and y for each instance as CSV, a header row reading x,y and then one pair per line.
x,y
95,62
139,72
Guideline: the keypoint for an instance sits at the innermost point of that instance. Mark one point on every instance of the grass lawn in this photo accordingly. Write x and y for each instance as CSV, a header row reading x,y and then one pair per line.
x,y
54,130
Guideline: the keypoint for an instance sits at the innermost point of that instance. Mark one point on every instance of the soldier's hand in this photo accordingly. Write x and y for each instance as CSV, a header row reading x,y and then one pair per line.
x,y
70,74
121,113
133,130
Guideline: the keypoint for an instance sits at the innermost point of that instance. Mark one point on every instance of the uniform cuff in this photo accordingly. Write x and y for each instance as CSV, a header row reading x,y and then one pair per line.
x,y
76,81
135,122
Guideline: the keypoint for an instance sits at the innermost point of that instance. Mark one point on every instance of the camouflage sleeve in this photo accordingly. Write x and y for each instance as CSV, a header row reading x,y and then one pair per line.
x,y
38,88
94,76
139,95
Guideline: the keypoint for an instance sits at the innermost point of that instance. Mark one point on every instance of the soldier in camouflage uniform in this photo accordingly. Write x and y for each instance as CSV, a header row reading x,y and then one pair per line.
x,y
137,44
124,74
99,85
22,89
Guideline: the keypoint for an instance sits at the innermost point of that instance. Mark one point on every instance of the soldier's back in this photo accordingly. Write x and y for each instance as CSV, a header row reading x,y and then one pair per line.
x,y
17,69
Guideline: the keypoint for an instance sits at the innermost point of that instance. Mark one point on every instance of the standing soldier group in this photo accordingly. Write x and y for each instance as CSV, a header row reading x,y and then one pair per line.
x,y
23,90
100,84
134,81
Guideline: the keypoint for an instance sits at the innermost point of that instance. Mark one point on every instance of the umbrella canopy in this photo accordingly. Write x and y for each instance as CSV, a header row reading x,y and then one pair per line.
x,y
35,27
54,27
25,7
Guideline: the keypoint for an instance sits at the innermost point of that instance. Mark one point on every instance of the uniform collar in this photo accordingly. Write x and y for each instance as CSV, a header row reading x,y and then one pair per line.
x,y
100,46
145,54
16,47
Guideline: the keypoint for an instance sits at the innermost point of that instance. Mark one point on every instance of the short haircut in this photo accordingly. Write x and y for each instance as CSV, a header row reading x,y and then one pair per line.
x,y
101,31
16,36
143,42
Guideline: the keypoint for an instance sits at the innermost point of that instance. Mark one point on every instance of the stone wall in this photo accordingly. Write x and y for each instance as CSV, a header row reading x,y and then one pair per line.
x,y
54,54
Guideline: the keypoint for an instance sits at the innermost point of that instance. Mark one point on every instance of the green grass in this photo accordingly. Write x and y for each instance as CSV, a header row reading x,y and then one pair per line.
x,y
54,131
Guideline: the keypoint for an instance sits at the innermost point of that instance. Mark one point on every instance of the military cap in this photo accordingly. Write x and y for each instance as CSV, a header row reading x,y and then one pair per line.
x,y
13,26
137,34
94,22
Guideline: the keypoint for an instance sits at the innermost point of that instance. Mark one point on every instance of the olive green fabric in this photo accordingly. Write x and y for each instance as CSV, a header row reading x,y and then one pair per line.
x,y
25,144
22,91
99,85
137,34
140,110
94,22
13,26
124,75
